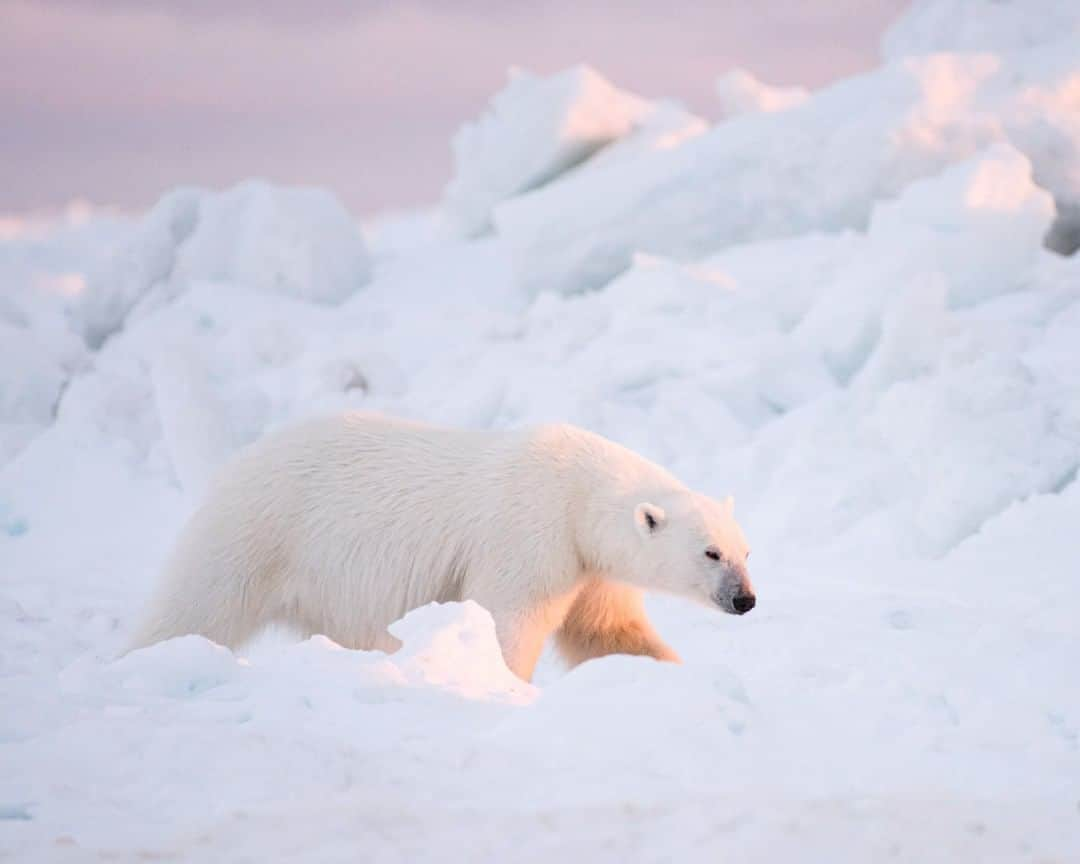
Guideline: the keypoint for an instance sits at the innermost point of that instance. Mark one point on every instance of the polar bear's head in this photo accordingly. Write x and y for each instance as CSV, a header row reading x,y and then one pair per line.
x,y
692,545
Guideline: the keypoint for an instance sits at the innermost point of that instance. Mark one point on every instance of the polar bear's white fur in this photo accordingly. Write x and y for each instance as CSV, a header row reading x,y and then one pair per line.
x,y
340,526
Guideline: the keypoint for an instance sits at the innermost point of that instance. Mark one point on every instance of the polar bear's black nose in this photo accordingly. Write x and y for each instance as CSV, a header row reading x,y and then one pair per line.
x,y
743,603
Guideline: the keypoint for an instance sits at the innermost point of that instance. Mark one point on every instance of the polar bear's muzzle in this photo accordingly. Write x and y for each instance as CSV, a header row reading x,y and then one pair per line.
x,y
736,594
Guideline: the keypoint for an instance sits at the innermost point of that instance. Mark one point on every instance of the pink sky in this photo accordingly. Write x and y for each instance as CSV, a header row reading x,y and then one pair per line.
x,y
119,100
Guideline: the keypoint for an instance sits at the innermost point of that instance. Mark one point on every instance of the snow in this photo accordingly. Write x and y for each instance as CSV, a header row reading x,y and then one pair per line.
x,y
741,93
297,241
973,25
1038,99
844,312
536,129
44,259
293,241
819,166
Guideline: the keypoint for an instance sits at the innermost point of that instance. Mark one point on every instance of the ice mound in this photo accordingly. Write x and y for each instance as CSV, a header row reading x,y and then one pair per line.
x,y
758,176
1041,115
666,125
741,93
181,668
32,377
914,325
453,646
296,242
43,261
195,424
930,26
981,221
1038,97
534,129
823,167
145,260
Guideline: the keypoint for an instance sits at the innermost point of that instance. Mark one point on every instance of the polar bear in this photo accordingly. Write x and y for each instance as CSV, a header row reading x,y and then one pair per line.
x,y
342,525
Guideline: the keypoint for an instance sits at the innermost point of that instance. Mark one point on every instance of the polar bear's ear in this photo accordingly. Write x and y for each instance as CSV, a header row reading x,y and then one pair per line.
x,y
729,505
649,518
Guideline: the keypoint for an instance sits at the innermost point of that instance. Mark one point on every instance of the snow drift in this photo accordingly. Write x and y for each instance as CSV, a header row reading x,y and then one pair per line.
x,y
742,93
820,165
538,128
297,242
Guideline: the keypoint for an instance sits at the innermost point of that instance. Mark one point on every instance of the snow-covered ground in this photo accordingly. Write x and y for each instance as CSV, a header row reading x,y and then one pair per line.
x,y
839,306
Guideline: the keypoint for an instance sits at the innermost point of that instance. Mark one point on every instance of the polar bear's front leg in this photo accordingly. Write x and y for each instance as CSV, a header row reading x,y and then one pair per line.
x,y
521,642
609,618
522,632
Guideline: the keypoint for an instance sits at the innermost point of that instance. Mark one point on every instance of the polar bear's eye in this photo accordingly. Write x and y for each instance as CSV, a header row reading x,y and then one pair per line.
x,y
712,553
